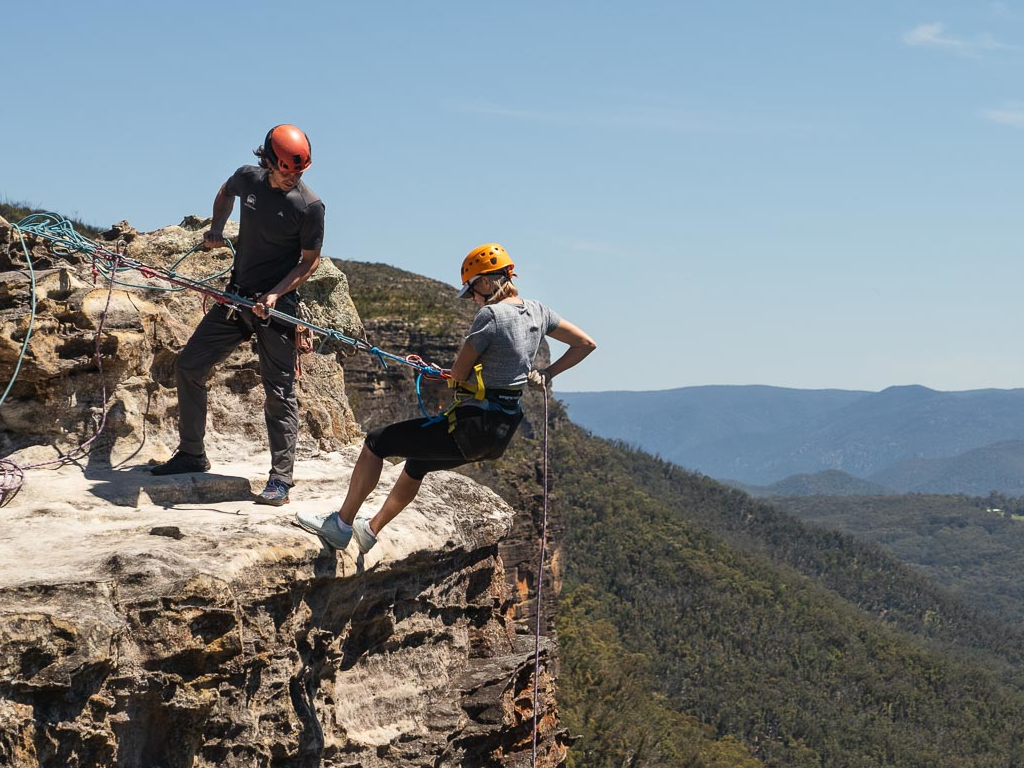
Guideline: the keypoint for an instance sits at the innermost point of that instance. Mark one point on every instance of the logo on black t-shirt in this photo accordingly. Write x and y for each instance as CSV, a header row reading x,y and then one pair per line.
x,y
250,202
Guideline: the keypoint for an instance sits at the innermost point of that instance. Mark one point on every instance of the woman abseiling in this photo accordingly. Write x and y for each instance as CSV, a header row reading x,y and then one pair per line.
x,y
490,372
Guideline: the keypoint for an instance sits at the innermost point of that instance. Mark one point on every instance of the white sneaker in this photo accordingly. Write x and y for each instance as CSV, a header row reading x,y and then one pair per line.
x,y
328,527
365,539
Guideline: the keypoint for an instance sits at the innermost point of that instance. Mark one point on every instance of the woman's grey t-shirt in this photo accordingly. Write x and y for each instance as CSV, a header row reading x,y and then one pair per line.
x,y
507,336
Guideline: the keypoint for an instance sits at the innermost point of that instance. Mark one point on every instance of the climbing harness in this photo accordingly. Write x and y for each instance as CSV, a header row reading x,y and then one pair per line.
x,y
464,390
504,400
483,430
111,264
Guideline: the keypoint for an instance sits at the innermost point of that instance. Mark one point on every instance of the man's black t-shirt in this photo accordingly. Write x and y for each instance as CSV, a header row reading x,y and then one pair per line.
x,y
275,226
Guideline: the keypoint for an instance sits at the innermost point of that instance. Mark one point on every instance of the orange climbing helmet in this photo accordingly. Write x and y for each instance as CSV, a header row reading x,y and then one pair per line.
x,y
482,260
287,149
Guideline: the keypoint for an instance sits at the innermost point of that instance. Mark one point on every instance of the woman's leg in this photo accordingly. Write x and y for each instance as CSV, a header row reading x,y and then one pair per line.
x,y
365,477
427,447
403,492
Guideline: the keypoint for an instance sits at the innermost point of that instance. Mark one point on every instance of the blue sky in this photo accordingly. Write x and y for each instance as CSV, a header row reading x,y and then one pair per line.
x,y
803,194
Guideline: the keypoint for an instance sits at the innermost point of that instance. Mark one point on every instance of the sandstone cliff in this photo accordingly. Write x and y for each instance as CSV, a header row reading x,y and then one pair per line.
x,y
170,622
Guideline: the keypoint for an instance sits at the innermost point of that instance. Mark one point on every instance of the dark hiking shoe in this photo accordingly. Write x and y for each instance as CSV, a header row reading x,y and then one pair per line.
x,y
181,463
275,494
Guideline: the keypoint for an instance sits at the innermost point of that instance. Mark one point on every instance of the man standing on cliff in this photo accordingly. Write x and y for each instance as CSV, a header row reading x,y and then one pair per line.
x,y
280,235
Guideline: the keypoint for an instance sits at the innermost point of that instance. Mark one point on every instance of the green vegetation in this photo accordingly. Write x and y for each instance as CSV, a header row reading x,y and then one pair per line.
x,y
608,696
16,211
961,543
1010,506
388,293
809,647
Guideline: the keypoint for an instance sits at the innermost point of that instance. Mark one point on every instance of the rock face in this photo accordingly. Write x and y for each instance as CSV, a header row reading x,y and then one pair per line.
x,y
169,622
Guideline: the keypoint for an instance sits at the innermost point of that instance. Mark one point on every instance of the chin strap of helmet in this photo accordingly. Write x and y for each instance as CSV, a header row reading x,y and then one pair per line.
x,y
485,296
498,279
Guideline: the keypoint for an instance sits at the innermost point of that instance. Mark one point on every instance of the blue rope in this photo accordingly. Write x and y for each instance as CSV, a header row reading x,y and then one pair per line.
x,y
109,275
12,476
62,234
31,321
423,408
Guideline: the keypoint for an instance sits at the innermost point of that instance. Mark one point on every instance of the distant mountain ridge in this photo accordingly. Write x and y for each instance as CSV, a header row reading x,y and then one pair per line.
x,y
975,472
828,482
759,435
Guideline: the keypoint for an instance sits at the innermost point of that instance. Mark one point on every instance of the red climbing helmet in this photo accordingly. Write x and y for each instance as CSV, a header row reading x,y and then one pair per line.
x,y
287,149
489,257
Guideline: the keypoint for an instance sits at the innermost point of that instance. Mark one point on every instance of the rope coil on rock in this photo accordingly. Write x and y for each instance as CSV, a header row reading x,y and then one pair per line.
x,y
12,477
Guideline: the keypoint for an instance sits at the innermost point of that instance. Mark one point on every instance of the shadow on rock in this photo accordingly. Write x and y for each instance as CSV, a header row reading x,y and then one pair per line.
x,y
136,485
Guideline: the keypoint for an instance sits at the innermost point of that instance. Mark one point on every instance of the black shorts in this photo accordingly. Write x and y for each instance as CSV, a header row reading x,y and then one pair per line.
x,y
427,446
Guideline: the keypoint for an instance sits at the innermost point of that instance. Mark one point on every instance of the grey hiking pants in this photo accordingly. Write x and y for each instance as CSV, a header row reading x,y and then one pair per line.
x,y
213,341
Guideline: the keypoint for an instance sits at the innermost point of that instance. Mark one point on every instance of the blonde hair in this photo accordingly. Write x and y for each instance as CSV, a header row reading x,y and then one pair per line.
x,y
505,289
